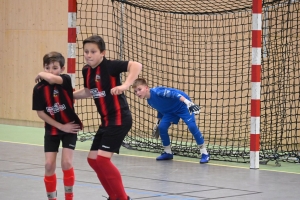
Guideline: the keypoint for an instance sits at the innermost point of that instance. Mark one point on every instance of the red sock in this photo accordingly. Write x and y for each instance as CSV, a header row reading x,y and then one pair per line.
x,y
103,181
69,180
50,184
112,176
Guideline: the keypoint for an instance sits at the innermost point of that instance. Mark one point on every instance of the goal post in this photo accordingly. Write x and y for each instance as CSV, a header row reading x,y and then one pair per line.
x,y
212,51
255,80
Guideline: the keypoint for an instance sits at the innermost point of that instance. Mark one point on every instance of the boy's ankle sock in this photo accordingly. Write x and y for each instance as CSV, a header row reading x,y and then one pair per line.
x,y
203,149
167,149
112,175
101,177
50,184
69,180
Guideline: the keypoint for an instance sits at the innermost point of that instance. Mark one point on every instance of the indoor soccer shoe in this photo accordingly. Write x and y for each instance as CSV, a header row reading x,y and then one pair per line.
x,y
165,156
128,198
204,158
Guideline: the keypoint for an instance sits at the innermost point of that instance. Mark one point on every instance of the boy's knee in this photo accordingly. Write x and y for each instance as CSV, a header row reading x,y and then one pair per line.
x,y
163,127
50,167
66,164
192,126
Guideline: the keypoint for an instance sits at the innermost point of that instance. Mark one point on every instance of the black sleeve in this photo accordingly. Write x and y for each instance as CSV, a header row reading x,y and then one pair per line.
x,y
117,66
67,83
38,98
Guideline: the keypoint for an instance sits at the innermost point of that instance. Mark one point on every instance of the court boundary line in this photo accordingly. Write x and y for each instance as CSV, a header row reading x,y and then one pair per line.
x,y
176,160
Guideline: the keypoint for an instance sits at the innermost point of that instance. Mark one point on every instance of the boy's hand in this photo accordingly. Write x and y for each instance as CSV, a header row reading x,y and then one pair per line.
x,y
192,107
118,90
155,132
38,78
70,128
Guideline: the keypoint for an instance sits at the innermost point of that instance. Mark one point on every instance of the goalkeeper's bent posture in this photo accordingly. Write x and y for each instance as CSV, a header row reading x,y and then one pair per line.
x,y
171,105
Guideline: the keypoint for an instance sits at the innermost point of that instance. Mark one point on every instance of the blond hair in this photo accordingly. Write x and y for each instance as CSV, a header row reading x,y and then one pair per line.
x,y
139,81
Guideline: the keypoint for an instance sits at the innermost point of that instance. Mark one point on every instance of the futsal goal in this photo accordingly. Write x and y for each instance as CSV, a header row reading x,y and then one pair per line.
x,y
203,48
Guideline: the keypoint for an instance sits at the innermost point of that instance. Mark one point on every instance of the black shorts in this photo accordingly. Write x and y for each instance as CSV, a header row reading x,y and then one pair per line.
x,y
51,142
110,138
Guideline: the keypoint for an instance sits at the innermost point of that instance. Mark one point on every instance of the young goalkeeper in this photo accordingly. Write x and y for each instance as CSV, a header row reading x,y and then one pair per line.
x,y
171,104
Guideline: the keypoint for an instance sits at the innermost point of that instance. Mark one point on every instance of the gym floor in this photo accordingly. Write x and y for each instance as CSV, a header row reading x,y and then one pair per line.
x,y
22,170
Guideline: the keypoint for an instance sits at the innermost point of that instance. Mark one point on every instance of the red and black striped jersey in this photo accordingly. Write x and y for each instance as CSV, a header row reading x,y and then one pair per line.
x,y
56,101
113,109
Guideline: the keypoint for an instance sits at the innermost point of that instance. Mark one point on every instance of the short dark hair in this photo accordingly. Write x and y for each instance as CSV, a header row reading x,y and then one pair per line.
x,y
139,81
53,56
96,40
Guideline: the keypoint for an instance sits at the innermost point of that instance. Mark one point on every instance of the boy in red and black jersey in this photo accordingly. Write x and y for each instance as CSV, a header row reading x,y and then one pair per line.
x,y
53,101
113,109
102,81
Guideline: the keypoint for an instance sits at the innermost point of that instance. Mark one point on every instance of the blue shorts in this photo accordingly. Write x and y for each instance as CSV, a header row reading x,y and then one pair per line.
x,y
174,118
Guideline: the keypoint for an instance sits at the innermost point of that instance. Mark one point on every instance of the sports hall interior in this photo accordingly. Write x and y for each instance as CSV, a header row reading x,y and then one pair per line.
x,y
31,28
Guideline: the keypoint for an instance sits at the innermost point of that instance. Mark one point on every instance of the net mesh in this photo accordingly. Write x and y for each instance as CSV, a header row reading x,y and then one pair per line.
x,y
204,49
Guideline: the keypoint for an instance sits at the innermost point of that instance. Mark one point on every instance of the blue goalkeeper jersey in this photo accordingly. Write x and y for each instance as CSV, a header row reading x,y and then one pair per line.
x,y
166,100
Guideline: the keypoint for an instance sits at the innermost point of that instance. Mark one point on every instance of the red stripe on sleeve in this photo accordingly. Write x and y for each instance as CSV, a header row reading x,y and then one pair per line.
x,y
116,102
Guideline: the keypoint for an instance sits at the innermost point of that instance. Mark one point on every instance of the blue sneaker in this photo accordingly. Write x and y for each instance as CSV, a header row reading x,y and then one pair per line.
x,y
204,158
165,156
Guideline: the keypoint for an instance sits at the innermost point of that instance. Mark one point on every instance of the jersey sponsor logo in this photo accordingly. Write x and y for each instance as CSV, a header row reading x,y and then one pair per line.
x,y
96,94
55,108
55,93
106,147
97,78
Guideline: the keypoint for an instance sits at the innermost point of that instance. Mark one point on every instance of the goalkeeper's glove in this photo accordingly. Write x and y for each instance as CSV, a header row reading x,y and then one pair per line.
x,y
192,107
155,132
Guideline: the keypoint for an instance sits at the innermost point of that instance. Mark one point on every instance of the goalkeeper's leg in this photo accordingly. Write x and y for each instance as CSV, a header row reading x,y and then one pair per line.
x,y
163,132
190,122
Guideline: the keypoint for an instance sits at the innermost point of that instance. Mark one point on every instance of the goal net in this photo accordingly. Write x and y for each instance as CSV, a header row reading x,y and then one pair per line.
x,y
203,48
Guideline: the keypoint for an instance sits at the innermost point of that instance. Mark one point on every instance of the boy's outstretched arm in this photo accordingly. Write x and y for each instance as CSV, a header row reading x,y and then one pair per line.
x,y
68,127
133,69
50,78
82,93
